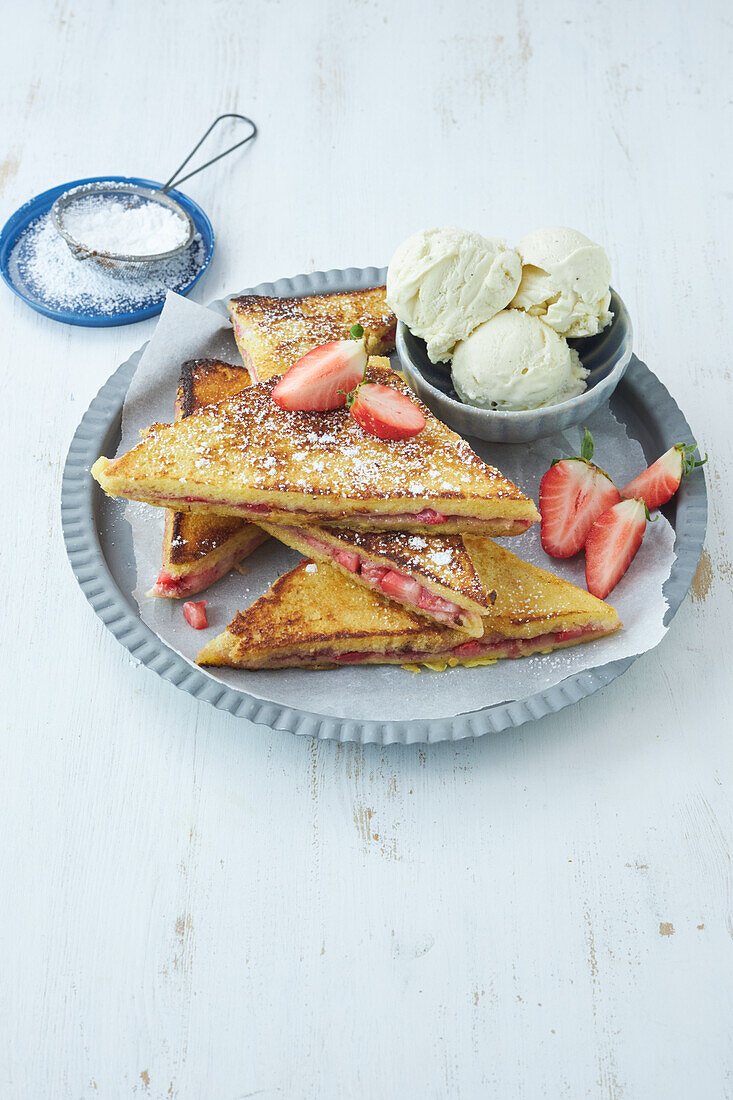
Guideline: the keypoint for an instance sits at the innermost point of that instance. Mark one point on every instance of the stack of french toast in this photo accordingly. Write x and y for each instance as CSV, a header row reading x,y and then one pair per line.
x,y
399,566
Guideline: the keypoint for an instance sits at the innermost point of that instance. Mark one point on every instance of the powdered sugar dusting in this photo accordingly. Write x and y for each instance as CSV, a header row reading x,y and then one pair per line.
x,y
439,558
272,333
252,444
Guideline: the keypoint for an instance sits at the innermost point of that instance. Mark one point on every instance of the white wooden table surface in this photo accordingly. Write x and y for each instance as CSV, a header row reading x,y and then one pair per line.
x,y
195,907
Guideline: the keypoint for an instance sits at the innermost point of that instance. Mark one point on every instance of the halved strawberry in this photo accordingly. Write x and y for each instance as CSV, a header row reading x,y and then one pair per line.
x,y
611,545
321,379
661,480
385,412
573,494
195,614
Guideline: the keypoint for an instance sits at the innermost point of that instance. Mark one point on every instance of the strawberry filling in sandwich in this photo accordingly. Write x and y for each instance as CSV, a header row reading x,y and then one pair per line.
x,y
173,587
392,583
487,649
427,517
316,617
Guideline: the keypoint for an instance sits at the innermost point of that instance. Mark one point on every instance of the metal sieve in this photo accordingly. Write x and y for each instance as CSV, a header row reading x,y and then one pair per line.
x,y
122,264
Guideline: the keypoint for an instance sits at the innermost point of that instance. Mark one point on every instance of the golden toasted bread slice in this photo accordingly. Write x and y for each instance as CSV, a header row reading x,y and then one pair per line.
x,y
272,333
431,575
199,548
533,612
246,456
314,617
529,598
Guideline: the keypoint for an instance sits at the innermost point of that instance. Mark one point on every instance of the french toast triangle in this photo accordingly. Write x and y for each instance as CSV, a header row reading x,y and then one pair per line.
x,y
314,617
199,547
272,333
431,575
245,456
531,602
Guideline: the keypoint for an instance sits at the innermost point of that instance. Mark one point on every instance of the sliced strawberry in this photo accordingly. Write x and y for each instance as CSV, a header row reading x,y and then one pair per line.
x,y
323,377
573,494
661,480
430,602
400,587
349,559
385,412
195,614
373,573
611,545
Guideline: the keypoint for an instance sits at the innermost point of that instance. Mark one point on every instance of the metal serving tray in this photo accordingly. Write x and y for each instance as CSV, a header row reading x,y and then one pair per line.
x,y
99,545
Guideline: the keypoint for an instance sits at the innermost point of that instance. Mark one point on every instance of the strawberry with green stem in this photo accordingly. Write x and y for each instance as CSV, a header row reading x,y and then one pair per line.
x,y
321,379
661,480
334,375
573,494
383,411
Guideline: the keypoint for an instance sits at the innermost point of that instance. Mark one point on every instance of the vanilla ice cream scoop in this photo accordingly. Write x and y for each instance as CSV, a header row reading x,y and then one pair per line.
x,y
443,283
565,279
515,361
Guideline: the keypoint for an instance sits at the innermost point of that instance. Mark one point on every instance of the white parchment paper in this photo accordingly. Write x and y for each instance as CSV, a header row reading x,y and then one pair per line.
x,y
188,331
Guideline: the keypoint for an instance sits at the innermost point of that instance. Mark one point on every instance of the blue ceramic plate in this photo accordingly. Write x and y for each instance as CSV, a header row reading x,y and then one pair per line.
x,y
41,204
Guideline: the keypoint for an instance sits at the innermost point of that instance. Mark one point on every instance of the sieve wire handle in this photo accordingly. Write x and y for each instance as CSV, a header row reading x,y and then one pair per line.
x,y
173,182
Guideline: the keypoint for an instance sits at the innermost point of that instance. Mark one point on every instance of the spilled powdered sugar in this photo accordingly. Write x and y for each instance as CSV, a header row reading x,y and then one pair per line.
x,y
43,267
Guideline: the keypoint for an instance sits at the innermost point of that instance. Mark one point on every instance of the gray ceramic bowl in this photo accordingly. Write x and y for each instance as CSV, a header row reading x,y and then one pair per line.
x,y
606,356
